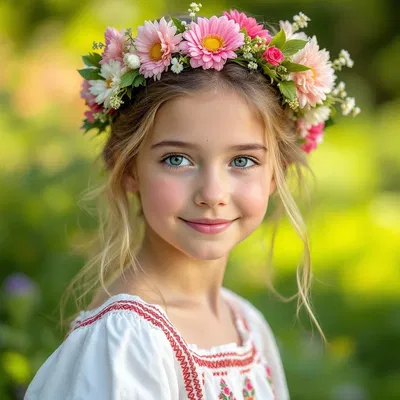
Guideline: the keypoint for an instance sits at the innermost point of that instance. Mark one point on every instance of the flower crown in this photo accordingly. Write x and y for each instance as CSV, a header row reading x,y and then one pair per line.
x,y
292,61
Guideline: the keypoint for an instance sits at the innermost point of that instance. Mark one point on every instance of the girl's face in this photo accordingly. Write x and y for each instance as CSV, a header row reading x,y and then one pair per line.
x,y
205,177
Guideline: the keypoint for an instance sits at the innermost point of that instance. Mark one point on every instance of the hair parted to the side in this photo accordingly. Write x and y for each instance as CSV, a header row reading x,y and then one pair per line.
x,y
121,222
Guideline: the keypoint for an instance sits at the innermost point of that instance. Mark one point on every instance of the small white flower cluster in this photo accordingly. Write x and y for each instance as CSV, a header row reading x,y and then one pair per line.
x,y
100,116
176,67
115,101
294,104
194,8
253,66
344,60
253,46
300,21
348,105
340,90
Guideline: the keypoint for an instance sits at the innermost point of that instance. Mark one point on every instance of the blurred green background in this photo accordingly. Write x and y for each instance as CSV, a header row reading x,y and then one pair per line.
x,y
354,223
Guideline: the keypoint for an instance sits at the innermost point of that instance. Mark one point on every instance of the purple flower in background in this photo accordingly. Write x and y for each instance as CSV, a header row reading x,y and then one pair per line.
x,y
18,284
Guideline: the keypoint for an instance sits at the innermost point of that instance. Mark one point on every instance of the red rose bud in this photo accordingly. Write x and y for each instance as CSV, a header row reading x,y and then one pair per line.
x,y
273,55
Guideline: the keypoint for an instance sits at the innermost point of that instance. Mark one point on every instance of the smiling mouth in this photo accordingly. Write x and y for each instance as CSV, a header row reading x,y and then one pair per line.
x,y
209,228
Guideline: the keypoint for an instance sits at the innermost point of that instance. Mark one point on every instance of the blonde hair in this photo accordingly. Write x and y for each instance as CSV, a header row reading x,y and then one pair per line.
x,y
121,220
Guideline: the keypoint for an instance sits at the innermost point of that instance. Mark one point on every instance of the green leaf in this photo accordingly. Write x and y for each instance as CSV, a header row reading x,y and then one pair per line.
x,y
129,92
87,126
288,89
293,67
278,40
293,46
92,60
90,73
180,27
128,78
139,80
270,72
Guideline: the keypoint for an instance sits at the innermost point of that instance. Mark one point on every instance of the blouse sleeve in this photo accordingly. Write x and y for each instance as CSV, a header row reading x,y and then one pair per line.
x,y
119,356
271,352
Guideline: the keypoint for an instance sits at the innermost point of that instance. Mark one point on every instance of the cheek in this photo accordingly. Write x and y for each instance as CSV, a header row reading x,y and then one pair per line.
x,y
164,196
252,196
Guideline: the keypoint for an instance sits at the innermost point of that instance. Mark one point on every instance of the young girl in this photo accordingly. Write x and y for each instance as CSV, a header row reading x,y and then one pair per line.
x,y
205,119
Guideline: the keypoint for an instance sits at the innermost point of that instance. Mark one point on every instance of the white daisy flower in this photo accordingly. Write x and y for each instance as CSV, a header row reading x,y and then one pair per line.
x,y
105,89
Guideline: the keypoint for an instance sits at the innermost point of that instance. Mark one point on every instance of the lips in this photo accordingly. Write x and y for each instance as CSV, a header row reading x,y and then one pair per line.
x,y
206,221
208,228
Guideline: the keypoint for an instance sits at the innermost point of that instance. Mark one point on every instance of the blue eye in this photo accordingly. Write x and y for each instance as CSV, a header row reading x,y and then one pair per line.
x,y
177,158
174,158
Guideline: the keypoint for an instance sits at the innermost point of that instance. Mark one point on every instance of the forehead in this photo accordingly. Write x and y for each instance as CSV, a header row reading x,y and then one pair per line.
x,y
216,119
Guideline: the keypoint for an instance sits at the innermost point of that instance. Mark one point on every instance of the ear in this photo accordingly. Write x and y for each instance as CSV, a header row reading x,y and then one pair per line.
x,y
130,179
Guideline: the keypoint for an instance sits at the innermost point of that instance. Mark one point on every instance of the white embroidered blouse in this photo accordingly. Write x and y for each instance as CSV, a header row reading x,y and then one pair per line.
x,y
128,349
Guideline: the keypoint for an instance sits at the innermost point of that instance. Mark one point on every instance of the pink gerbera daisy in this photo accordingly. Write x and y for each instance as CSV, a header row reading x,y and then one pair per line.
x,y
210,42
115,42
312,85
252,28
155,43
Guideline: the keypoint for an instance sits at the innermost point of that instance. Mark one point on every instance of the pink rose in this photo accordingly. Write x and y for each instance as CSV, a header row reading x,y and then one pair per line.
x,y
273,55
226,390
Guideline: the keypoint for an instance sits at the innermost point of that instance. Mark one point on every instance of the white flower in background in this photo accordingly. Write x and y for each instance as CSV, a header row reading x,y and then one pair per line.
x,y
340,90
348,105
344,60
345,55
176,67
132,60
287,27
314,116
105,89
194,8
356,111
300,21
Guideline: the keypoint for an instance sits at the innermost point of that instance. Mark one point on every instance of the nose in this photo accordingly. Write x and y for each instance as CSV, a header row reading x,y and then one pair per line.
x,y
213,187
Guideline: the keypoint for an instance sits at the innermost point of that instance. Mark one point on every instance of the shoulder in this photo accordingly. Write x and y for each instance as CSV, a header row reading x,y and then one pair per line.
x,y
119,349
120,312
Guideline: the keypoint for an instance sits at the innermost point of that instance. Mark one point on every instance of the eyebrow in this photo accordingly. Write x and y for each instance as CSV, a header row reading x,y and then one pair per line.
x,y
238,147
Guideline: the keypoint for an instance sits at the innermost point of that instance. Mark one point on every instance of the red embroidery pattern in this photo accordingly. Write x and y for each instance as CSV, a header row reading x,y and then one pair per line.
x,y
245,371
185,356
227,362
248,390
269,378
152,315
226,393
220,373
